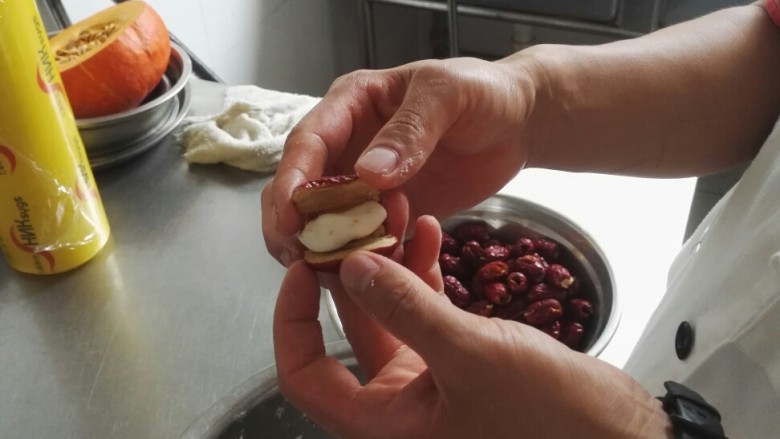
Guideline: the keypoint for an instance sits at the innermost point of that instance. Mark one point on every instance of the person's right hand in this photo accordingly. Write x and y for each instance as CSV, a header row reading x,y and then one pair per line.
x,y
435,371
447,133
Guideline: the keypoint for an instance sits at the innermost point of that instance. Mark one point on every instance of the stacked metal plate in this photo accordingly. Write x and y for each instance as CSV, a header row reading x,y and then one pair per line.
x,y
113,139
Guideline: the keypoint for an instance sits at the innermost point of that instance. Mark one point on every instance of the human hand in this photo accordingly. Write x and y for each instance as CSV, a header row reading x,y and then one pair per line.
x,y
435,371
446,133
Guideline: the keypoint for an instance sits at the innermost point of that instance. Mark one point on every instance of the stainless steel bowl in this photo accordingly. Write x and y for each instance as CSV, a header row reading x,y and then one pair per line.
x,y
106,135
511,218
256,409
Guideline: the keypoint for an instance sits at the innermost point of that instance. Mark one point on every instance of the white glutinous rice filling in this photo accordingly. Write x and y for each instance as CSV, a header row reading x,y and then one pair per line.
x,y
331,231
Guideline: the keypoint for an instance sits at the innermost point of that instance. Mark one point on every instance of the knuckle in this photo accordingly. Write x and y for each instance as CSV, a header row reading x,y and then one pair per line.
x,y
267,195
348,80
409,120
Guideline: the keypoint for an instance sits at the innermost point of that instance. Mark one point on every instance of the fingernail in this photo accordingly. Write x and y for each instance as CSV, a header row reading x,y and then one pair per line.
x,y
379,160
357,273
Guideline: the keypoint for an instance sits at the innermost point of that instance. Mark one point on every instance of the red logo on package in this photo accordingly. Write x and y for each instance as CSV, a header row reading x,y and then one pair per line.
x,y
9,157
28,249
45,86
90,193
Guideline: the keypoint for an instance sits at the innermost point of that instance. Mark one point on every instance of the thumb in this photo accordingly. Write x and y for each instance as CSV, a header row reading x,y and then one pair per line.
x,y
406,306
402,146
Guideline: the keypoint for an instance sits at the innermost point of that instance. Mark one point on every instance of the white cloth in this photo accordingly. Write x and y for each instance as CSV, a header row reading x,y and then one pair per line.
x,y
726,284
250,131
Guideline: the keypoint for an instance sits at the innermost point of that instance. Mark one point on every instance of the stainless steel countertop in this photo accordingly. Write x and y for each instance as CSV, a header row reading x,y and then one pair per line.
x,y
174,313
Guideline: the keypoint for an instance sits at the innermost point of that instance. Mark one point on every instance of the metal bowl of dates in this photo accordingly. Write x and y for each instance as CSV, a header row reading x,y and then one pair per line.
x,y
508,219
115,135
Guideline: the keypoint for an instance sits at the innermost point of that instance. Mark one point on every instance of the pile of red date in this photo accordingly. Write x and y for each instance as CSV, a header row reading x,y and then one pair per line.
x,y
522,280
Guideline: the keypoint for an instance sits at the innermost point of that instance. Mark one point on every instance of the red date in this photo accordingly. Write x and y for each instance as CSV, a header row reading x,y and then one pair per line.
x,y
547,249
517,283
512,311
456,292
553,329
449,244
471,252
522,247
532,266
453,266
580,309
497,293
525,280
572,334
491,241
495,253
544,291
558,276
492,271
543,312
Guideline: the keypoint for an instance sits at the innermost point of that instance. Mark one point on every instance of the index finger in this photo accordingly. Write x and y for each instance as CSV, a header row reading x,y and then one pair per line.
x,y
307,148
301,361
363,100
319,139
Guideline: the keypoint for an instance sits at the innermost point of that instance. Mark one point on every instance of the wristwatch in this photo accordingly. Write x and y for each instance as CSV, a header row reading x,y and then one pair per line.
x,y
691,416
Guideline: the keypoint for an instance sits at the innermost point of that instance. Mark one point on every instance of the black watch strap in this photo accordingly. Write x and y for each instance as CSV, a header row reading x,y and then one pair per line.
x,y
692,417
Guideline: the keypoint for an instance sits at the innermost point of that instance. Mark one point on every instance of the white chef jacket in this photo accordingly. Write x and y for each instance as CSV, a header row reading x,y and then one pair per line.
x,y
726,284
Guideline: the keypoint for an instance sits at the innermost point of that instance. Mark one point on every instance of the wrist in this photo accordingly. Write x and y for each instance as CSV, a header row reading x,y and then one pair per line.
x,y
658,424
641,417
546,67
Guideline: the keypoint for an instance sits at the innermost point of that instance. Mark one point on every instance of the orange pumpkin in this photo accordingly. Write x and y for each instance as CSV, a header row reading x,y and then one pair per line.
x,y
110,61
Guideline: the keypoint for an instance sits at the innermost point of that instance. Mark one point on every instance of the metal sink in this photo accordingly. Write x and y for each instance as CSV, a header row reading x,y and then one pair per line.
x,y
256,409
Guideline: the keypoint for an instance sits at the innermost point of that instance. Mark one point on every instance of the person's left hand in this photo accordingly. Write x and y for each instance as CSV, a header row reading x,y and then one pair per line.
x,y
435,371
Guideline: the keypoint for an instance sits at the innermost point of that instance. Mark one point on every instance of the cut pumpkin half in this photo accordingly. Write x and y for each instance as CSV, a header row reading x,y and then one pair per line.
x,y
110,61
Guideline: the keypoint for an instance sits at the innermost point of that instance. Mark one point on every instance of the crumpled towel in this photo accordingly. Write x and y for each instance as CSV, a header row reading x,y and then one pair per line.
x,y
249,133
